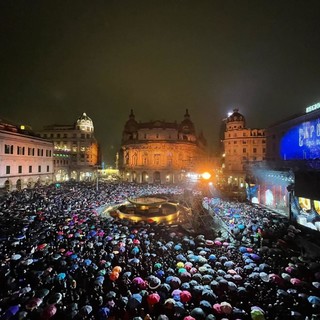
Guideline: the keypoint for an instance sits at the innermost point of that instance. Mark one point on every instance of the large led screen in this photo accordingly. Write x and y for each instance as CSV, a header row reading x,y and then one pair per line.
x,y
301,141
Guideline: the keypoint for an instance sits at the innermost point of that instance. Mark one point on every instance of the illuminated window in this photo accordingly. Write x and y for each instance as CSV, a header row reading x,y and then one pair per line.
x,y
305,204
316,204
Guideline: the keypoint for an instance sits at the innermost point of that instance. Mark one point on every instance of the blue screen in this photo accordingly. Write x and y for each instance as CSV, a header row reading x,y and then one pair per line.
x,y
301,141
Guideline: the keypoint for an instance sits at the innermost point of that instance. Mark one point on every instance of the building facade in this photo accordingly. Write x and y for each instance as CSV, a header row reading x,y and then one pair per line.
x,y
159,151
75,149
242,147
25,159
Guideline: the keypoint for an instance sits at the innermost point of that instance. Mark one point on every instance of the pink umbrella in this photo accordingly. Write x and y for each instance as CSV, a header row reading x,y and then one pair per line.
x,y
217,308
295,281
49,311
218,243
275,278
34,303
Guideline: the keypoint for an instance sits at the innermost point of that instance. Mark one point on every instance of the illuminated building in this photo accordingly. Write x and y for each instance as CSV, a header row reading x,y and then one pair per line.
x,y
159,151
242,147
289,179
25,159
75,149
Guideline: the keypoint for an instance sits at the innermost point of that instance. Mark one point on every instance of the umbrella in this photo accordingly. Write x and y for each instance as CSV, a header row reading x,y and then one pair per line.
x,y
86,310
134,261
49,311
61,276
198,314
134,301
135,250
206,306
185,296
16,257
226,307
111,295
104,313
179,307
257,313
175,282
153,298
11,311
314,300
34,303
87,262
55,298
209,295
41,293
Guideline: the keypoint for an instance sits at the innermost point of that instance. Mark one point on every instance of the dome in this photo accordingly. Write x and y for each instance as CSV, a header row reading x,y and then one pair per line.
x,y
186,125
235,116
85,123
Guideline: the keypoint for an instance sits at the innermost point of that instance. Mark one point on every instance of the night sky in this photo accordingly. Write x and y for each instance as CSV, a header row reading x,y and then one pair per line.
x,y
62,58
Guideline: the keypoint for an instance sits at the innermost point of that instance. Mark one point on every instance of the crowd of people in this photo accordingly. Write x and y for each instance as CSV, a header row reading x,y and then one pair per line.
x,y
62,259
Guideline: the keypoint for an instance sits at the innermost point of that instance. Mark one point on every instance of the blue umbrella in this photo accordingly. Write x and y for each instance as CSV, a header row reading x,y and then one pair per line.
x,y
181,257
61,276
229,264
241,226
74,256
243,249
212,257
177,247
104,313
87,262
314,300
134,301
179,307
134,261
19,237
135,250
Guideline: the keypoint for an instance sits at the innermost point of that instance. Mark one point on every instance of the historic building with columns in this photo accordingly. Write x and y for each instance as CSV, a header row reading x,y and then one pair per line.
x,y
75,149
160,151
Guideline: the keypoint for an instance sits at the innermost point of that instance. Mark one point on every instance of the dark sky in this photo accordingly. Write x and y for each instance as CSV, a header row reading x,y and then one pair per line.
x,y
61,58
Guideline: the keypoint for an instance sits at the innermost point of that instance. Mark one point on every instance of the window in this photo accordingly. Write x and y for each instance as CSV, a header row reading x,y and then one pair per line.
x,y
30,169
157,135
244,150
82,135
58,135
244,142
65,135
145,136
30,151
234,142
19,169
45,135
264,150
20,150
7,169
254,150
8,149
39,168
51,135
